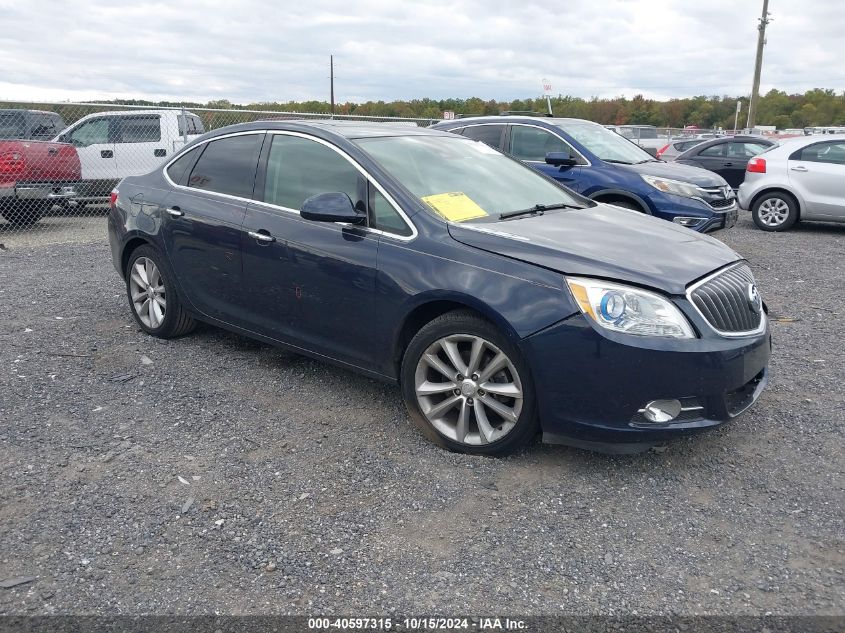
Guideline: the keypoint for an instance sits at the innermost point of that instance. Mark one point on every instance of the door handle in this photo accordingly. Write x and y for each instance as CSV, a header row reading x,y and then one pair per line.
x,y
159,152
176,212
799,168
106,153
727,164
262,236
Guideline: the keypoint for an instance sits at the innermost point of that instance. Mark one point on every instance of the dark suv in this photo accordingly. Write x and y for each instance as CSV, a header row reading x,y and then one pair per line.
x,y
604,166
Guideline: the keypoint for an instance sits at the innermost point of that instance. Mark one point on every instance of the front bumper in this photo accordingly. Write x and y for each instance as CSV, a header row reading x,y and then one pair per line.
x,y
709,218
57,191
591,388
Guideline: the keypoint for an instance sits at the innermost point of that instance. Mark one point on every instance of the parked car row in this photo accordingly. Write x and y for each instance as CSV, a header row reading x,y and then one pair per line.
x,y
43,162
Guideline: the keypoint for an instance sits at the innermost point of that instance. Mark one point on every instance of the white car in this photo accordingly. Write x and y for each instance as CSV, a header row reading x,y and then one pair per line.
x,y
113,145
799,179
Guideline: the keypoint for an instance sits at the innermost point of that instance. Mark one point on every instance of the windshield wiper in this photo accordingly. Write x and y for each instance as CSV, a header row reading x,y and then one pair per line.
x,y
647,160
537,209
613,160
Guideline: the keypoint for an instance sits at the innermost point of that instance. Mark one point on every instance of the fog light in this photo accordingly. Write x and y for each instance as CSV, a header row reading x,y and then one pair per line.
x,y
687,222
662,410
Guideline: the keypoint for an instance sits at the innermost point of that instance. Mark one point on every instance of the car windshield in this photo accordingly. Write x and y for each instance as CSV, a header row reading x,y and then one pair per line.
x,y
464,180
604,143
12,126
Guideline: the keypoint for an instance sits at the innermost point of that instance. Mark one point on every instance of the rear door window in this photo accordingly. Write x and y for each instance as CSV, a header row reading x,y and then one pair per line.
x,y
533,143
139,129
714,151
831,152
738,149
181,165
228,166
490,134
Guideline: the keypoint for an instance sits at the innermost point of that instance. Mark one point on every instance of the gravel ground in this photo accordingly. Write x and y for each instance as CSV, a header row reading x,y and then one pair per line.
x,y
215,474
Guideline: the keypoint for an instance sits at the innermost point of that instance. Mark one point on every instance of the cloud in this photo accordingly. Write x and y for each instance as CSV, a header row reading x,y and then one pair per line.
x,y
253,51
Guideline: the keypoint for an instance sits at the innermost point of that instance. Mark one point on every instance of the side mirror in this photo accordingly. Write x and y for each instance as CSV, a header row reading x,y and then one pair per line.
x,y
331,207
560,159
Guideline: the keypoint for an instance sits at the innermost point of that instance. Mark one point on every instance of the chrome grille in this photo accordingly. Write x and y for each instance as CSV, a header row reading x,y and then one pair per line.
x,y
719,197
724,302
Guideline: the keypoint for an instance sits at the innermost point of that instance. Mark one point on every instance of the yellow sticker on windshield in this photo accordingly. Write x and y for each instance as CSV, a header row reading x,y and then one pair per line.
x,y
455,206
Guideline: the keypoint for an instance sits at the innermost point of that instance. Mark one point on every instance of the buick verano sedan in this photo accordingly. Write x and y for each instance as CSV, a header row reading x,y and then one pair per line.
x,y
501,302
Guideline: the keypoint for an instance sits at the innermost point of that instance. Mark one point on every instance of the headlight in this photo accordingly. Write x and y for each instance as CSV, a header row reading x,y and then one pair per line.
x,y
677,187
629,310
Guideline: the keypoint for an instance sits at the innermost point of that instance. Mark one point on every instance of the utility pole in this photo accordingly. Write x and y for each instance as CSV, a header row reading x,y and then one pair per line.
x,y
758,65
331,76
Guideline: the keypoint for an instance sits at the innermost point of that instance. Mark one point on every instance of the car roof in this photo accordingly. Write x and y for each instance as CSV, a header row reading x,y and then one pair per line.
x,y
137,112
346,129
508,118
809,140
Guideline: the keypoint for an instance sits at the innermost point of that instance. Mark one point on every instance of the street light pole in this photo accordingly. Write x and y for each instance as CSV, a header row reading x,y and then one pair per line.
x,y
758,65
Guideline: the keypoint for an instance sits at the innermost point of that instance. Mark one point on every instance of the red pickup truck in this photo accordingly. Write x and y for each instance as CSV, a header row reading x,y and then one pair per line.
x,y
34,174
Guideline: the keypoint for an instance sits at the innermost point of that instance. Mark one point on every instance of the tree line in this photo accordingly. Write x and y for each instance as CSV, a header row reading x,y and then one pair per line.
x,y
817,107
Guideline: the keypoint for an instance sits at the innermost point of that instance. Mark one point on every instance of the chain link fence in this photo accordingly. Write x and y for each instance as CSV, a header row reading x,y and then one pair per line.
x,y
60,161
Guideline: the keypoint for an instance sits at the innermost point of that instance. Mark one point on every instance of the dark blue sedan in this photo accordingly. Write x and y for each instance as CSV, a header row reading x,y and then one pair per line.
x,y
500,301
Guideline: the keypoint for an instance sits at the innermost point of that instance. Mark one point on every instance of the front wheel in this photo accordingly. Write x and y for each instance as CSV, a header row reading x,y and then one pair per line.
x,y
152,296
467,386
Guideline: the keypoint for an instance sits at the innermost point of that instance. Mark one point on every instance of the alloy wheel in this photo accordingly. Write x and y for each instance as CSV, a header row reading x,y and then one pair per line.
x,y
149,297
773,212
468,389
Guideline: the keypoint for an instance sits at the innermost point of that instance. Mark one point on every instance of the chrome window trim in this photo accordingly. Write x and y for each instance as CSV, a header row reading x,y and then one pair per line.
x,y
364,172
755,332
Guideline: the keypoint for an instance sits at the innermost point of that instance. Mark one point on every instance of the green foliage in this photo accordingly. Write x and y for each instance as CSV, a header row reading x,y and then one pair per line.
x,y
817,107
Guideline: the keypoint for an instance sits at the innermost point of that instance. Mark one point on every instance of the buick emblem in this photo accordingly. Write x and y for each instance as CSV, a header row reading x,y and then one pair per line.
x,y
754,301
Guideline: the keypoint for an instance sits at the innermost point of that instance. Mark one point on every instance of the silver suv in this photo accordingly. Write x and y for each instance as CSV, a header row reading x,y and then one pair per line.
x,y
800,179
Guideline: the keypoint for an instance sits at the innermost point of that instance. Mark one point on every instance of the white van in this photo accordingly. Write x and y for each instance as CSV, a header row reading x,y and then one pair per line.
x,y
113,145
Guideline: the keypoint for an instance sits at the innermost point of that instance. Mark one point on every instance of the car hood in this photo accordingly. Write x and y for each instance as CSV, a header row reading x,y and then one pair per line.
x,y
677,171
603,241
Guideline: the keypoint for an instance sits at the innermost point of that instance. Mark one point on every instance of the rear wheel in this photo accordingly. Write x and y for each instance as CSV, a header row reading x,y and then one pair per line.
x,y
152,295
467,387
775,211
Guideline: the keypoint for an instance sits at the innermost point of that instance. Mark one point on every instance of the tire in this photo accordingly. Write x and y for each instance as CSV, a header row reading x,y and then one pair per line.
x,y
156,305
775,211
24,213
478,421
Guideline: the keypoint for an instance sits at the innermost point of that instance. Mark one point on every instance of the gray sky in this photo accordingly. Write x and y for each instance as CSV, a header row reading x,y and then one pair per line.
x,y
248,51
